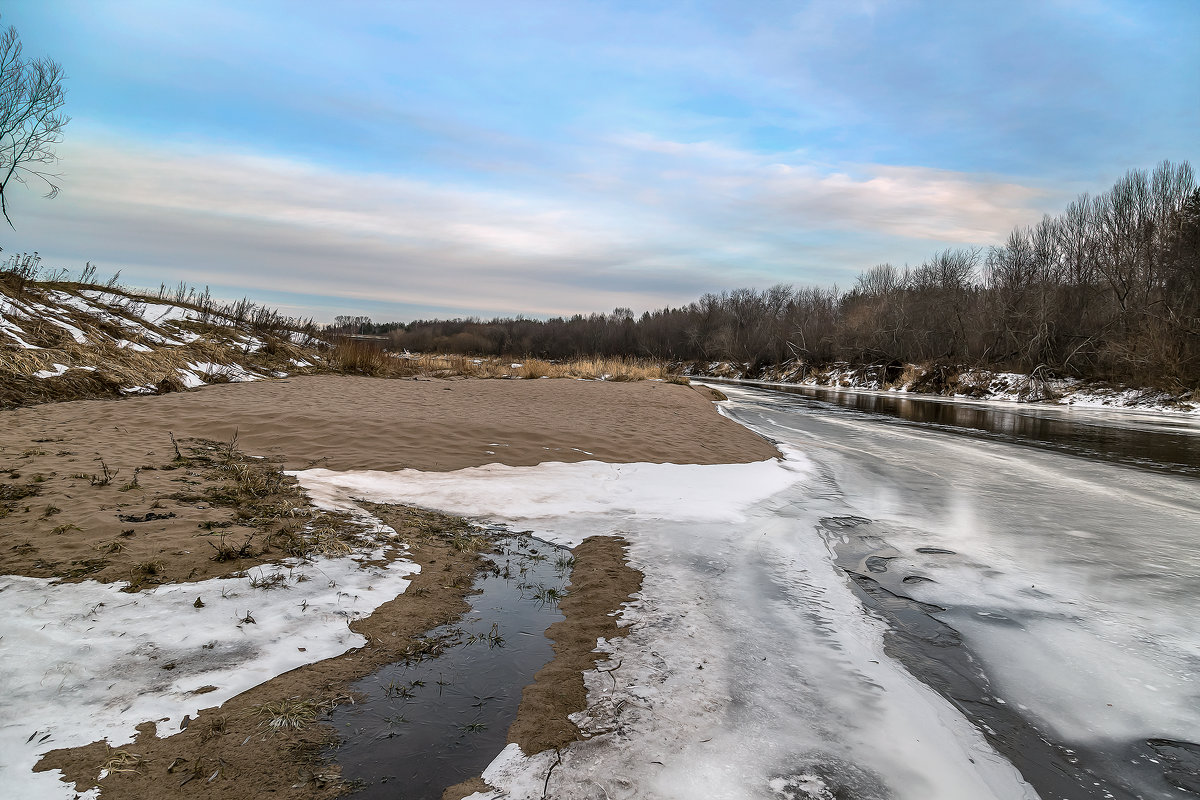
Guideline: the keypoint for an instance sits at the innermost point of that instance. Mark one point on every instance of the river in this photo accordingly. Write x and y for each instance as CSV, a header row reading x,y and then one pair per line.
x,y
922,600
1038,566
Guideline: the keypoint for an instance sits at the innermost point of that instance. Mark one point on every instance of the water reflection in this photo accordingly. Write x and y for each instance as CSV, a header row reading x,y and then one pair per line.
x,y
1158,442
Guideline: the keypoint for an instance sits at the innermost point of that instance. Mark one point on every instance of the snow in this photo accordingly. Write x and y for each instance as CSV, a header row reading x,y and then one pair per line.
x,y
748,658
15,332
190,379
235,372
85,661
9,308
677,492
59,369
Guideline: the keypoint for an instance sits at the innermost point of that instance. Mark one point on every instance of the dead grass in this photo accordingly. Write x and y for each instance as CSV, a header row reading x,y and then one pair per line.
x,y
366,359
124,353
122,761
262,497
289,714
99,367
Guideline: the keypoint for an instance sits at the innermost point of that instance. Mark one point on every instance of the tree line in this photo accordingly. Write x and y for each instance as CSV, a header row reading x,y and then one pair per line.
x,y
1108,289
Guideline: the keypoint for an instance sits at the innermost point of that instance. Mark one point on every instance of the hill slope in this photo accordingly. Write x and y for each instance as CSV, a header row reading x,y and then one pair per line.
x,y
64,340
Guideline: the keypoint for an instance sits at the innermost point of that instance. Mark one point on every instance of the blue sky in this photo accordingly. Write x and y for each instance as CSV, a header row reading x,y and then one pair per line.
x,y
416,159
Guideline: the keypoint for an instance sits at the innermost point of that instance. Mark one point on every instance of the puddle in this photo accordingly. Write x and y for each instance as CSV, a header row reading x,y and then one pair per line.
x,y
432,722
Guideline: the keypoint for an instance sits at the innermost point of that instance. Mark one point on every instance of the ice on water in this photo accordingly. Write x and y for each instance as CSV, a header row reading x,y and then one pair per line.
x,y
749,668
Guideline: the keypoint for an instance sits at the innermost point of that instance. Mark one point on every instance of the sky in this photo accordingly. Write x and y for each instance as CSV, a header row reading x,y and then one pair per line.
x,y
417,159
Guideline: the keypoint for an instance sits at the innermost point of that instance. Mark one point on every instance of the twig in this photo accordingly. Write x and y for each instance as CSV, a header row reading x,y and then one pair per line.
x,y
546,785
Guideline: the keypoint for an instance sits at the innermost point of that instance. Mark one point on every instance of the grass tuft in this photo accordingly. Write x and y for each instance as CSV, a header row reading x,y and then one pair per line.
x,y
289,714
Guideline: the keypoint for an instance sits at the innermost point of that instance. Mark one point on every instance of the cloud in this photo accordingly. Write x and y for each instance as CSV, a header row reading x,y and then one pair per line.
x,y
788,189
660,223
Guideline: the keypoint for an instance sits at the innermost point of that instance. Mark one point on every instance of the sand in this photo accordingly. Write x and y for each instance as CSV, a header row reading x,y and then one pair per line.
x,y
59,518
341,422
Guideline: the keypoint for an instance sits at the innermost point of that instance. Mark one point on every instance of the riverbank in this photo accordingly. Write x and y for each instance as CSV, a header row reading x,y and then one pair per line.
x,y
955,383
184,502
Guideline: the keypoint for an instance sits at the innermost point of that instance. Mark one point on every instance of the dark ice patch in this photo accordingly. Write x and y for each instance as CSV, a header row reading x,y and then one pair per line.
x,y
828,778
878,563
1181,762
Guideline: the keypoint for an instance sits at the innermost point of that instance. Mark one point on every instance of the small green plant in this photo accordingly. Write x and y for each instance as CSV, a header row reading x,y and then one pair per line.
x,y
396,690
546,595
215,728
133,484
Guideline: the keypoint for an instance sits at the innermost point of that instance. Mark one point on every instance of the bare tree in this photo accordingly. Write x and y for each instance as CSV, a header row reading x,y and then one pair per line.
x,y
31,123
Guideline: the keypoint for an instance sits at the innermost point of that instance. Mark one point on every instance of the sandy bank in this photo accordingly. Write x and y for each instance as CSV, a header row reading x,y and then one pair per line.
x,y
58,520
367,423
161,516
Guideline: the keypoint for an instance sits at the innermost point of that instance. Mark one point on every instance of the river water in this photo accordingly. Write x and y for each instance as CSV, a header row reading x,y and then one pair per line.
x,y
921,601
1038,567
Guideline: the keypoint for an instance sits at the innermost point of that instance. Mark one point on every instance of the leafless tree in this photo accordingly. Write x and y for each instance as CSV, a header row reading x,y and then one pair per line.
x,y
1110,289
31,121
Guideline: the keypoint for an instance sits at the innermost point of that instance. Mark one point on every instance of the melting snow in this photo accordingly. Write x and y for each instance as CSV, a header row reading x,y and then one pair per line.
x,y
59,369
748,658
85,661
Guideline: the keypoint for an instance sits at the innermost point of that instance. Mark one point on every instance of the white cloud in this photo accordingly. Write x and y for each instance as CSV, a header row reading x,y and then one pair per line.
x,y
653,222
787,189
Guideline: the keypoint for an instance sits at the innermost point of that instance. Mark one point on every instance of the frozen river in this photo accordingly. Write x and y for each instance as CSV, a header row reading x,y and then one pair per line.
x,y
1072,581
903,607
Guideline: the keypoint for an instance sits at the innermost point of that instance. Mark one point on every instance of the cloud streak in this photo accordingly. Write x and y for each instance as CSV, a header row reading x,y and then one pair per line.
x,y
662,223
455,157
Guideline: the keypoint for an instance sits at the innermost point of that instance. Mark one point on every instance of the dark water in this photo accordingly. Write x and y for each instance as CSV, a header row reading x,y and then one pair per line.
x,y
436,720
1160,442
935,653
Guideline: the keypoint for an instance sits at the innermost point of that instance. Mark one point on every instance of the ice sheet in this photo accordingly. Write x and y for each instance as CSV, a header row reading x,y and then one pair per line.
x,y
1074,579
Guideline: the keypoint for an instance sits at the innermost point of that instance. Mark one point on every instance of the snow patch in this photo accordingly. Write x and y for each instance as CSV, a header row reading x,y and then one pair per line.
x,y
85,661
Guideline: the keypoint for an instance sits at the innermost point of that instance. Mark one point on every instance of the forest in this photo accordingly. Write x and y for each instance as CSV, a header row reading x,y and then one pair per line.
x,y
1109,289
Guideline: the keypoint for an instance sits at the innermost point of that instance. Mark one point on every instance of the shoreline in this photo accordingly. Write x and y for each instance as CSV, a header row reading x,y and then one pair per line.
x,y
1158,412
427,425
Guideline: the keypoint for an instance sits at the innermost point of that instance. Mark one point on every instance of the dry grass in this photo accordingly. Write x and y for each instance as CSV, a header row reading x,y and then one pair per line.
x,y
221,336
122,761
289,714
363,358
908,377
98,367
